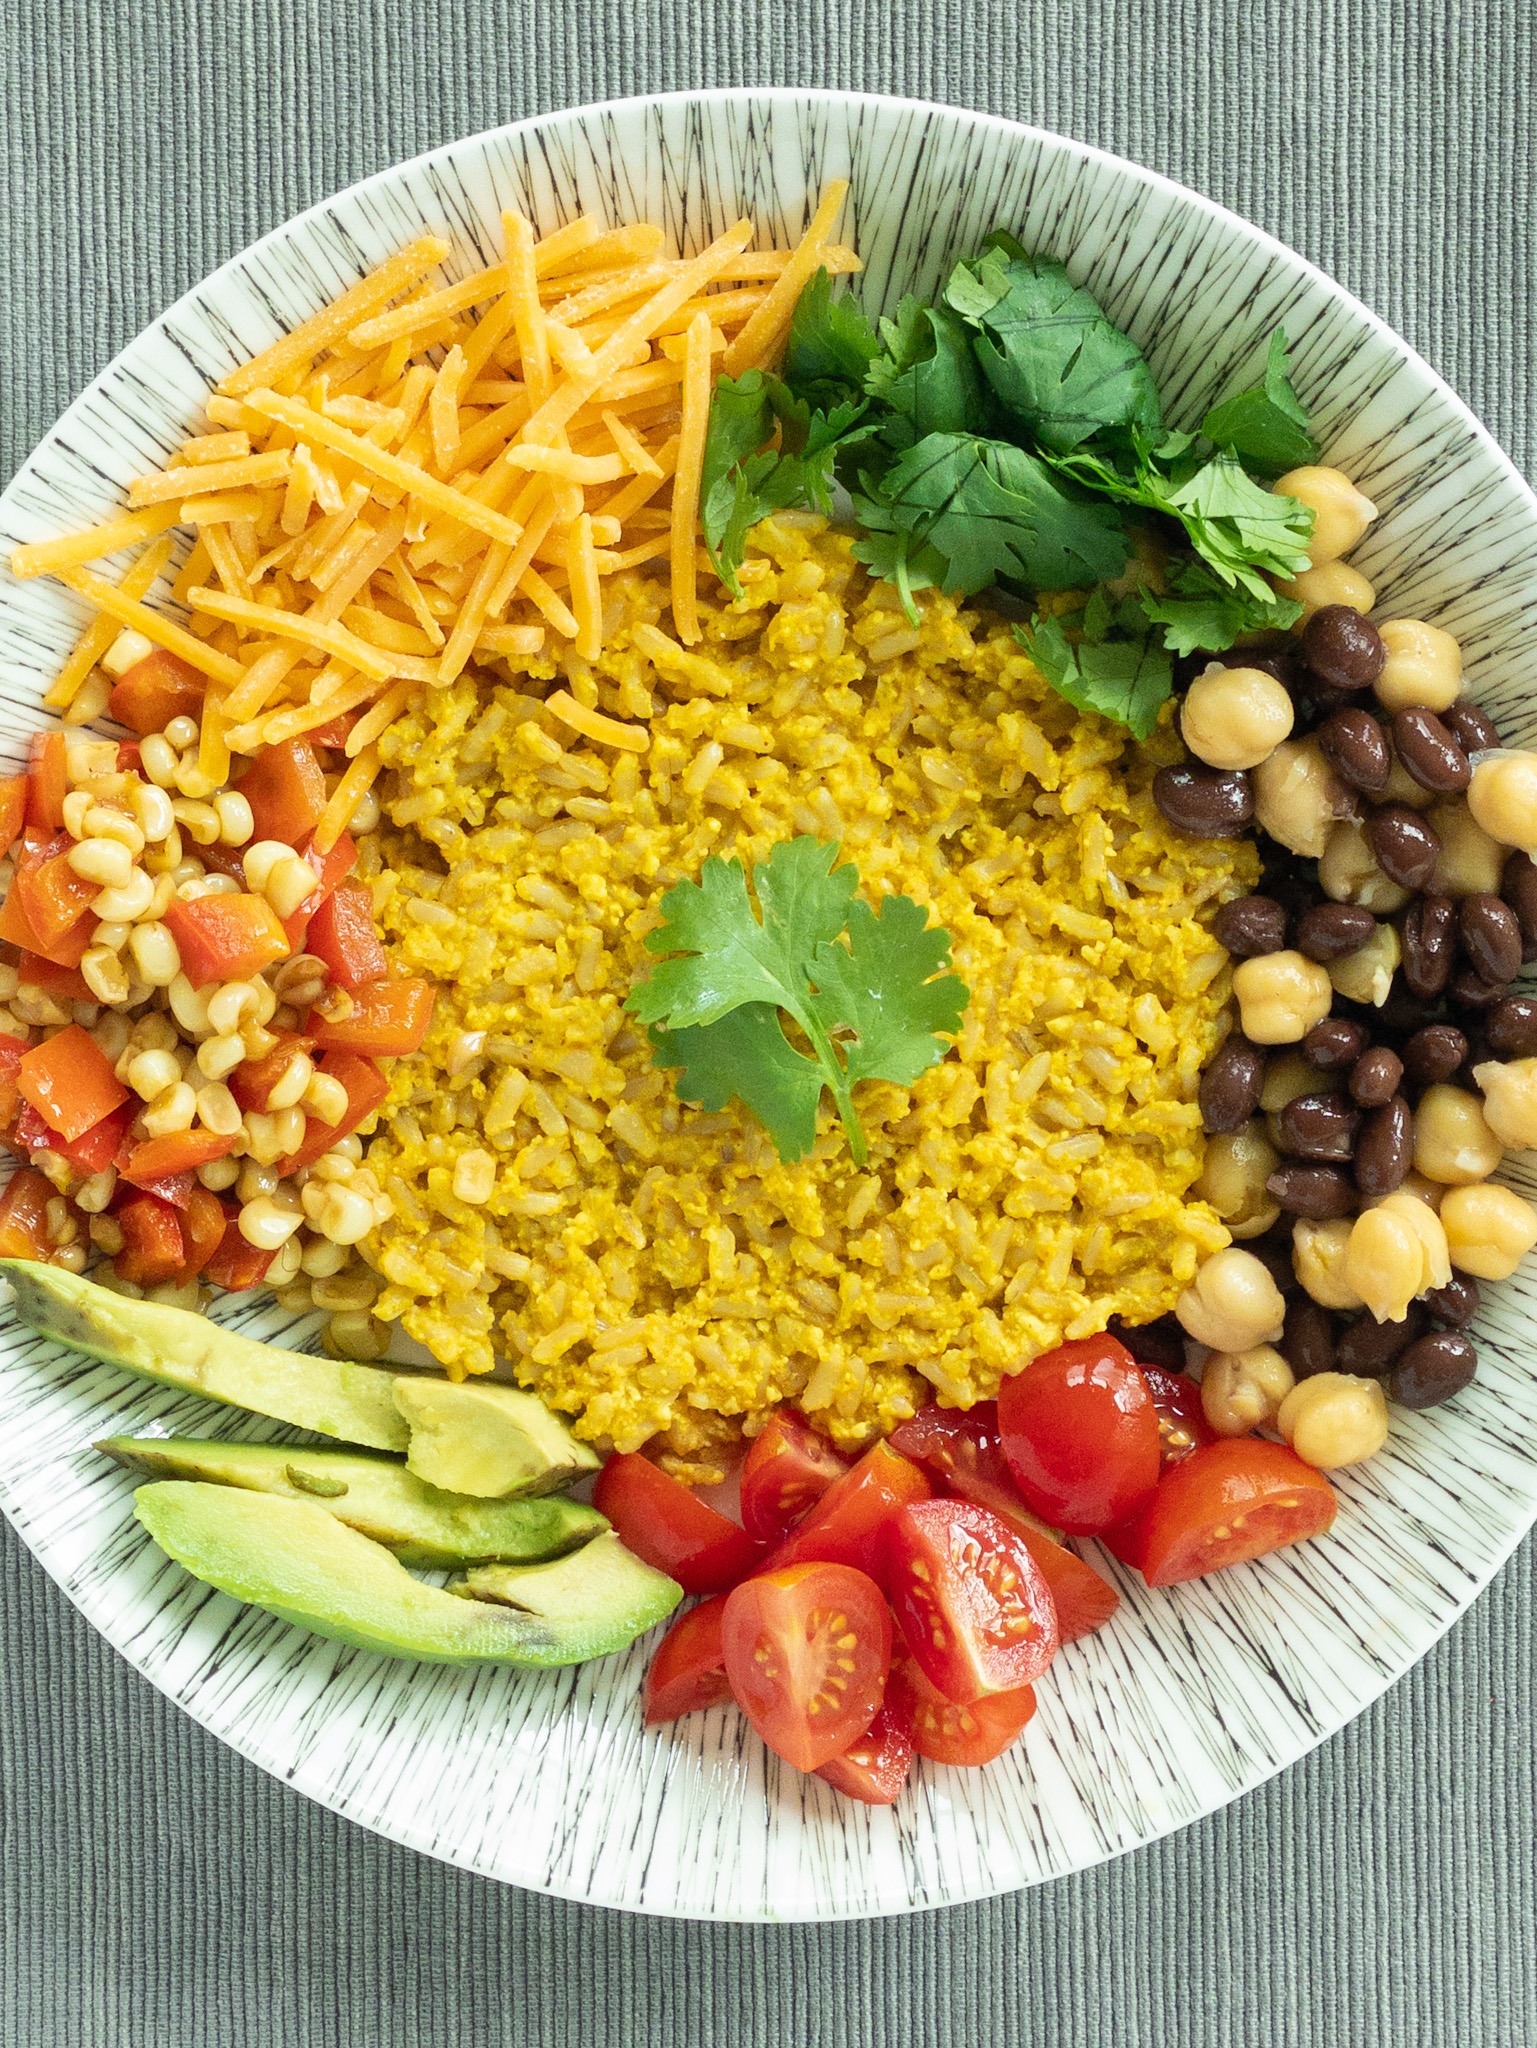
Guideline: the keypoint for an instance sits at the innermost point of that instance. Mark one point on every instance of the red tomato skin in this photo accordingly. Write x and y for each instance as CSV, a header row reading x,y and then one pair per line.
x,y
845,1525
688,1666
973,1606
1182,1424
1080,1433
961,1450
665,1523
787,1470
1262,1493
948,1733
874,1769
1084,1598
766,1630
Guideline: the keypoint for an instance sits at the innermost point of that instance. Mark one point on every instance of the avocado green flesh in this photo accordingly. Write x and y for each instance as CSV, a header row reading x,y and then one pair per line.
x,y
375,1495
483,1438
590,1589
297,1561
180,1349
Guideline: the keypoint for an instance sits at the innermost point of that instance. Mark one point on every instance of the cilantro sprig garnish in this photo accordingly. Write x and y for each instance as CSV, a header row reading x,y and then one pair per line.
x,y
1012,435
864,987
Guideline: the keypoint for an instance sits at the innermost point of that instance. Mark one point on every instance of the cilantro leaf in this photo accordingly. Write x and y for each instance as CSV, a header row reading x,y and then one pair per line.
x,y
1265,426
1240,528
925,376
1201,611
860,986
831,345
990,510
1118,668
1048,350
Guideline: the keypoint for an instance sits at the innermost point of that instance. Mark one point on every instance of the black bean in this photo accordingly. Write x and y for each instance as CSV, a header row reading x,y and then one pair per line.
x,y
1470,991
1328,931
1435,1053
1274,1252
1319,1127
1205,803
1354,742
1343,647
1369,1348
1430,945
1457,1303
1433,1369
1307,1339
1337,1042
1230,1085
1518,886
1320,1193
1385,1148
1249,926
1161,1343
1375,1077
1473,730
1280,662
1491,937
1511,1026
1429,753
1407,849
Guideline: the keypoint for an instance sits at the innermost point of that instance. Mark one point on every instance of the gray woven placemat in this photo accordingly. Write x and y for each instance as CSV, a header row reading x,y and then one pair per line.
x,y
155,1889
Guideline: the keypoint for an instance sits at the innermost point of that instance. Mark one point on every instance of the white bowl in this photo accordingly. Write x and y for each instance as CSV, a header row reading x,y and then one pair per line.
x,y
1191,1696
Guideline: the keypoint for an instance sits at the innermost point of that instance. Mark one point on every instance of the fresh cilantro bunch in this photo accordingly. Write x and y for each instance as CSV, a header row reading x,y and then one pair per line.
x,y
1010,434
864,987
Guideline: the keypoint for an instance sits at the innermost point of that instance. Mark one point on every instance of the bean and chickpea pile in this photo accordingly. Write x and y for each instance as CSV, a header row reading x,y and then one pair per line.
x,y
1381,1065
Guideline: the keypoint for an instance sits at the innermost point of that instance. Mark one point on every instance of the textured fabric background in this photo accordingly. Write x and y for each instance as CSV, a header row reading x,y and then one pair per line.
x,y
154,1888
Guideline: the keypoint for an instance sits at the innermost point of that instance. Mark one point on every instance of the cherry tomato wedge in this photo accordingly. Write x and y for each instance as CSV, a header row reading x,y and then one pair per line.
x,y
874,1769
1080,1433
688,1668
667,1524
969,1598
1229,1502
961,1450
1182,1424
807,1651
787,1470
1083,1598
845,1525
949,1733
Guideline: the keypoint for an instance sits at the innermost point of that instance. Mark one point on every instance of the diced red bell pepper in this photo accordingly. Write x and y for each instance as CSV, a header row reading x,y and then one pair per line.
x,y
388,1018
13,809
53,897
331,870
342,932
129,758
31,1134
286,789
236,1265
202,1230
69,1081
11,1052
155,690
152,1241
220,859
23,1216
16,923
254,1080
94,1150
47,781
336,732
226,938
179,1152
175,1188
366,1089
66,984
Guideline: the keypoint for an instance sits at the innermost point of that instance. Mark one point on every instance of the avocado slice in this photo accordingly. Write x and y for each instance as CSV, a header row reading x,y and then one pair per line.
x,y
375,1495
297,1561
483,1438
181,1349
589,1589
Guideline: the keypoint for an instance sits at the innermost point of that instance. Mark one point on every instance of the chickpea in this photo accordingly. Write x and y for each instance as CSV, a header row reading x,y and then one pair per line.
x,y
1287,1076
1424,667
1318,1260
1238,1164
1453,1143
1489,1230
1413,1186
1503,798
1385,1260
1366,976
1348,872
1242,1390
1330,583
1402,788
1341,513
1233,1303
1298,797
1510,1100
1334,1419
1281,996
1235,717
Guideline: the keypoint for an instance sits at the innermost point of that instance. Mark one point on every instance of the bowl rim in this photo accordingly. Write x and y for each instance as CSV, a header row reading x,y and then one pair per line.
x,y
787,97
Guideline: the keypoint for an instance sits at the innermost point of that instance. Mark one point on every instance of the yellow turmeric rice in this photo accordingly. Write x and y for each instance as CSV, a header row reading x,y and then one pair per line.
x,y
656,1272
